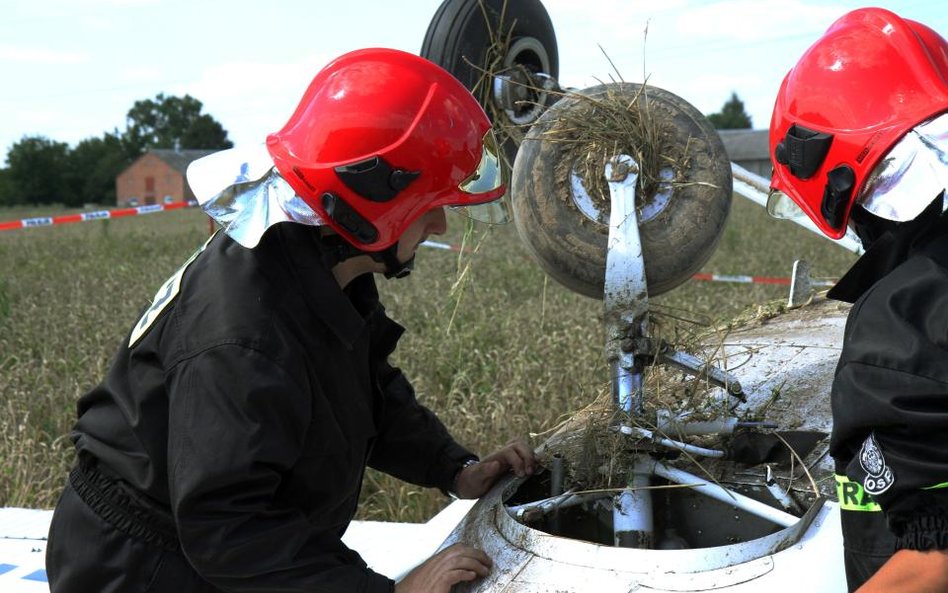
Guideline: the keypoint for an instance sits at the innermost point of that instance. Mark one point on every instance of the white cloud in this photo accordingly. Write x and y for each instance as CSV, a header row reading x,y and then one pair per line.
x,y
39,118
700,51
756,20
140,74
92,4
30,55
76,10
709,92
94,22
130,3
252,99
57,125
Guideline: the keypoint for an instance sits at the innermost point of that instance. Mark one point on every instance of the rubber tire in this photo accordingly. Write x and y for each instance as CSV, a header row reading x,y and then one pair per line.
x,y
458,30
571,247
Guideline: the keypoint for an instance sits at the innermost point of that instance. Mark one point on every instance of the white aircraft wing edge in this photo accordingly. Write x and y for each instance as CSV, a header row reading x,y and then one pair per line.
x,y
392,549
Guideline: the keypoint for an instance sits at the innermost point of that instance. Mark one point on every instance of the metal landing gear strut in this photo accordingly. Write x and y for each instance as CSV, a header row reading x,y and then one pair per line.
x,y
629,349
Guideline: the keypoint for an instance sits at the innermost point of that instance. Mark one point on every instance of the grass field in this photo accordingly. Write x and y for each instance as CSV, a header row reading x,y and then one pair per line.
x,y
497,351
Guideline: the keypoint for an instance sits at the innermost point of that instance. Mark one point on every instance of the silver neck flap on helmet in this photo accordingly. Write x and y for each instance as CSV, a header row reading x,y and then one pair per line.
x,y
245,194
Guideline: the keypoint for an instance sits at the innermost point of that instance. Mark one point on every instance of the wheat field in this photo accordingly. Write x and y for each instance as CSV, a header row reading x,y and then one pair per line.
x,y
493,346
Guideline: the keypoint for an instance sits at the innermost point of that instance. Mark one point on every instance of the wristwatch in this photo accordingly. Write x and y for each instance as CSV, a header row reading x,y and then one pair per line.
x,y
454,482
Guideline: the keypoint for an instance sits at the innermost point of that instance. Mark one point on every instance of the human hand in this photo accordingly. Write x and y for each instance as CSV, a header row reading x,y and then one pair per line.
x,y
445,569
516,456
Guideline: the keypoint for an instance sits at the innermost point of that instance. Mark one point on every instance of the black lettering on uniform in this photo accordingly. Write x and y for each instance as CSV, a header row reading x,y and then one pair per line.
x,y
850,492
866,499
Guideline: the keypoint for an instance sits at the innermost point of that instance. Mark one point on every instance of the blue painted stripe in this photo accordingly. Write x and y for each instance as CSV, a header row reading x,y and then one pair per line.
x,y
6,568
39,575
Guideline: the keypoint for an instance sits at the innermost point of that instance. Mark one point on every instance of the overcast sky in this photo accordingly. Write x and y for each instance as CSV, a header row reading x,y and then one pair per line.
x,y
71,69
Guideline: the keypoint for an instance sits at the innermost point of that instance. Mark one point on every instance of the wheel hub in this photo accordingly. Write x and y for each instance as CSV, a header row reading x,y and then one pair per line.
x,y
522,91
647,208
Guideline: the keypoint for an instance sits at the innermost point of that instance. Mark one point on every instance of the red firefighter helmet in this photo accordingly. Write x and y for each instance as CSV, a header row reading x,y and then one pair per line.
x,y
869,80
381,137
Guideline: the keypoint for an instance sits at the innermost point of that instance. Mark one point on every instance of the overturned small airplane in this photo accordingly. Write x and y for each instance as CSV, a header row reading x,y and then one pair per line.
x,y
707,468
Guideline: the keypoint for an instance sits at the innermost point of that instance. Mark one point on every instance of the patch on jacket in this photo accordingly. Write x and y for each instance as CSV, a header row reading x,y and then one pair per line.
x,y
163,298
880,477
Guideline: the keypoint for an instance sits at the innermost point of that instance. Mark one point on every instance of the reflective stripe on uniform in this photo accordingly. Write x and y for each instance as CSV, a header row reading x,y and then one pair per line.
x,y
852,496
936,486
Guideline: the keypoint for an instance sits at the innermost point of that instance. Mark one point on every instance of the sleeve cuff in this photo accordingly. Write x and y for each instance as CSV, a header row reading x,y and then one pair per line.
x,y
923,533
920,520
380,584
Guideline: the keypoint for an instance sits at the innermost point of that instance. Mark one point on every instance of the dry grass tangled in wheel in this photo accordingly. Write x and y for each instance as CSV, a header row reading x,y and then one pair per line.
x,y
613,123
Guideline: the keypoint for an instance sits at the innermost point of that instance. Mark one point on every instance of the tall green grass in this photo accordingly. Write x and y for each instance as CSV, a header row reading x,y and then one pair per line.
x,y
497,351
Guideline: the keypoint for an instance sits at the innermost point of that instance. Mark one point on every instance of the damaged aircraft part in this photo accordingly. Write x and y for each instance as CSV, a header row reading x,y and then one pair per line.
x,y
654,495
505,52
683,195
716,524
654,489
625,293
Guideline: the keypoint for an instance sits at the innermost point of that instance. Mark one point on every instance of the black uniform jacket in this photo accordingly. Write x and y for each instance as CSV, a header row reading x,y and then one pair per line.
x,y
890,394
250,399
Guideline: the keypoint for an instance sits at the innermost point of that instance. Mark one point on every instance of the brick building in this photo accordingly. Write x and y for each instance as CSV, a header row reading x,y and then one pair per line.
x,y
157,177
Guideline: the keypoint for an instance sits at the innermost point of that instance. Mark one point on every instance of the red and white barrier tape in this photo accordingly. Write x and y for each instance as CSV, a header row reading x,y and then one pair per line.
x,y
26,223
437,245
755,279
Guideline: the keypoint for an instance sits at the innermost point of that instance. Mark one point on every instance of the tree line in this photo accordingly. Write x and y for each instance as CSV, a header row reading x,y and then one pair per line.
x,y
43,171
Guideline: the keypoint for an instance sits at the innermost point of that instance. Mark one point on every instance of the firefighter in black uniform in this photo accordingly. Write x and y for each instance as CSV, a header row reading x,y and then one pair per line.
x,y
225,448
859,140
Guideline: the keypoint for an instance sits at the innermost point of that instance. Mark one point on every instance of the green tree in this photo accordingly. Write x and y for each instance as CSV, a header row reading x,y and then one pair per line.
x,y
169,122
39,172
732,116
205,132
94,164
7,195
43,171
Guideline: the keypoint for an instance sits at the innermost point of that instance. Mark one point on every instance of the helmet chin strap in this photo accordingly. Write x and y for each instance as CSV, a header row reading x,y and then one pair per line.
x,y
337,250
393,267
